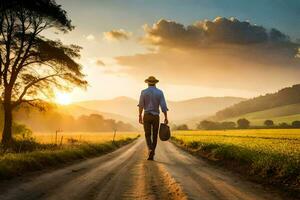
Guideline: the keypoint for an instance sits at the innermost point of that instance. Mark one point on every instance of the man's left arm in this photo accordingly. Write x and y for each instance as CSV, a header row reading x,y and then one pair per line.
x,y
164,108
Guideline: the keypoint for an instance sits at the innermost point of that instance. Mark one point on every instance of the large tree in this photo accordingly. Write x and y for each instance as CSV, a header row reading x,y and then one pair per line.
x,y
32,66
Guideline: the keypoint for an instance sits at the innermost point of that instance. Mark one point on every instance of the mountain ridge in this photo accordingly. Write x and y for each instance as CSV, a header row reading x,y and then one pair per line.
x,y
178,110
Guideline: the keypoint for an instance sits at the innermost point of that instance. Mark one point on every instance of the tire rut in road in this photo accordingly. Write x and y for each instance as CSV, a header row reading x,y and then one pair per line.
x,y
52,183
122,179
98,180
153,182
201,180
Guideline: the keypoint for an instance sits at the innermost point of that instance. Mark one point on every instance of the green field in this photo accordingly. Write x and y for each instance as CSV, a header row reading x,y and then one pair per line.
x,y
271,154
281,114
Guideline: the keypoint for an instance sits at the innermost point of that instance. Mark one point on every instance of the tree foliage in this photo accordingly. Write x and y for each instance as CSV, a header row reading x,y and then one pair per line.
x,y
212,125
181,127
243,123
296,124
47,9
32,66
228,125
21,130
207,125
283,125
268,123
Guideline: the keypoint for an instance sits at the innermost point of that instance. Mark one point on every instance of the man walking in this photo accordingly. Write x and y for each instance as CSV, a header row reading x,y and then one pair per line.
x,y
150,100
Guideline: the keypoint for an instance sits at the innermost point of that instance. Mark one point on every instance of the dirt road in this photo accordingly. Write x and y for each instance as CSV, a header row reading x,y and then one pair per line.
x,y
125,174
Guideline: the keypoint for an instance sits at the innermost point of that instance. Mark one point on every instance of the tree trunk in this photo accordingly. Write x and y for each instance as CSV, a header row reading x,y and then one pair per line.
x,y
7,130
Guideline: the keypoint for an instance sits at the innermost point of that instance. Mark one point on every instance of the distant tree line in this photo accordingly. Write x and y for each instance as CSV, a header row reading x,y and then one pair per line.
x,y
180,127
243,124
240,124
89,123
51,121
212,125
283,97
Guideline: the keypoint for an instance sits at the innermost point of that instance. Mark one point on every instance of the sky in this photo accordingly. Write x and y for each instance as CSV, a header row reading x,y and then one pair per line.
x,y
194,47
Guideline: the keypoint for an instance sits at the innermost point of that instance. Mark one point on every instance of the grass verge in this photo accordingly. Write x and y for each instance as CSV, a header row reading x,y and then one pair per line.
x,y
268,168
15,164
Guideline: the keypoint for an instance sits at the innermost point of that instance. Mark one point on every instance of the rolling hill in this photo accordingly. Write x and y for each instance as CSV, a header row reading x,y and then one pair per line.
x,y
280,114
199,107
122,106
281,106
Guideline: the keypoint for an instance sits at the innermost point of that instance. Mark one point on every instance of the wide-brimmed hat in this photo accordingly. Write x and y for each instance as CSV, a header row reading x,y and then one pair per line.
x,y
151,80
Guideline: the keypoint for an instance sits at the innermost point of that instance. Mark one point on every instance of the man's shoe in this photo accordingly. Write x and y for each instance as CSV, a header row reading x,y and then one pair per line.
x,y
151,155
150,158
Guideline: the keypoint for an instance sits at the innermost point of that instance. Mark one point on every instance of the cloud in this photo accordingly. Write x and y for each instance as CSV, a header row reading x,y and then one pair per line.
x,y
100,62
116,35
206,33
90,37
224,52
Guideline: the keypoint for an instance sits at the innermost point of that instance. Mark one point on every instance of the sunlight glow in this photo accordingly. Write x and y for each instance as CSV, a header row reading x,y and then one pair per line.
x,y
63,98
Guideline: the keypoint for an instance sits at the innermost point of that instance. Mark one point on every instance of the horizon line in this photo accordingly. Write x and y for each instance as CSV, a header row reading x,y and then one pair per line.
x,y
128,97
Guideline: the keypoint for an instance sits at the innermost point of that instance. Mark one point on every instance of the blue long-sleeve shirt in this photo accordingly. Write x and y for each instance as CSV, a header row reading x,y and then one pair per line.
x,y
150,100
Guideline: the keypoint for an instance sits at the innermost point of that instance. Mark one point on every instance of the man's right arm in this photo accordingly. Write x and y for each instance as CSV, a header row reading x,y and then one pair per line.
x,y
141,108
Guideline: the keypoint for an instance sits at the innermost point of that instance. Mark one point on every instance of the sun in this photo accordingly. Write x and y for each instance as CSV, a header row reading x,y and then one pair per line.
x,y
63,98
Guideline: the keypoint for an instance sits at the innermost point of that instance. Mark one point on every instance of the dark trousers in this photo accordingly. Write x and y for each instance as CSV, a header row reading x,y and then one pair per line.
x,y
151,125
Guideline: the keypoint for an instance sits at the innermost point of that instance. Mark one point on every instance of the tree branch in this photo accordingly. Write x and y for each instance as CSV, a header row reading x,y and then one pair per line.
x,y
7,46
22,19
20,99
1,30
1,65
20,65
30,101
